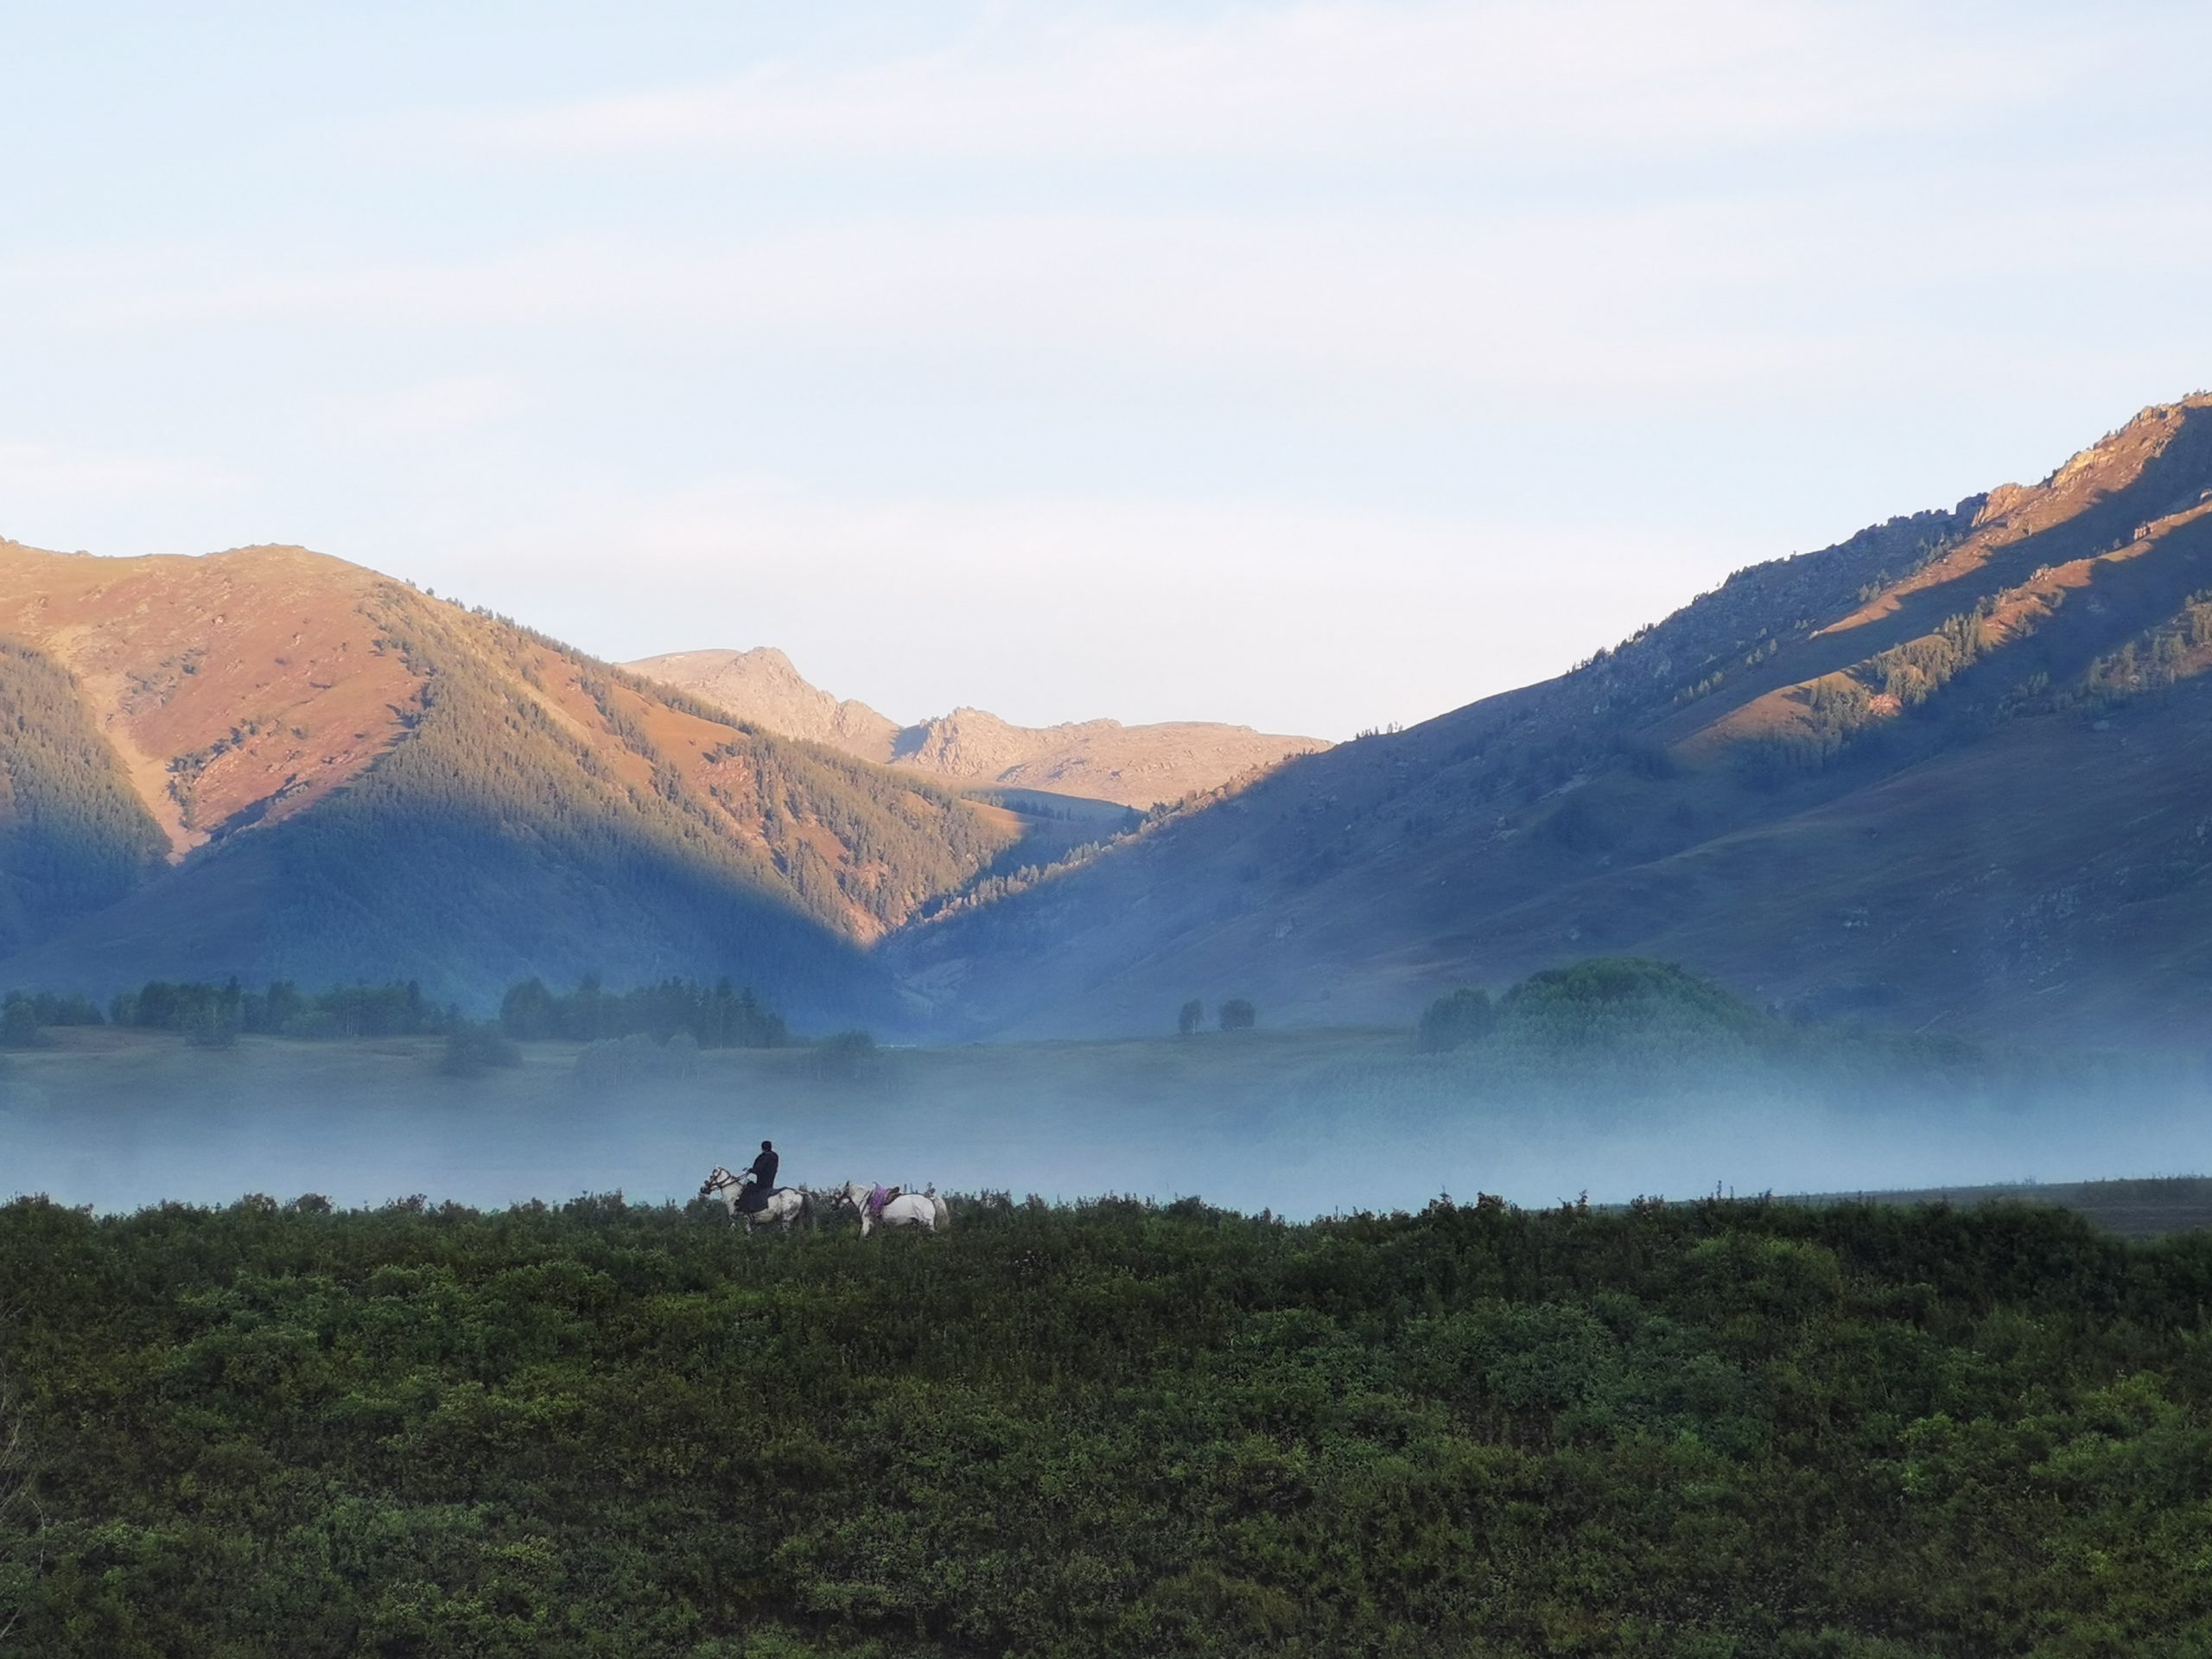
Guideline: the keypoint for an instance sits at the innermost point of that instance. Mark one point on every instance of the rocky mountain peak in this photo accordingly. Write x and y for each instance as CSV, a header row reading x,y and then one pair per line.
x,y
1099,759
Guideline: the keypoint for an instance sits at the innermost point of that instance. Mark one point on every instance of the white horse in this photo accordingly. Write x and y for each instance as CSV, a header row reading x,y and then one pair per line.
x,y
785,1205
924,1209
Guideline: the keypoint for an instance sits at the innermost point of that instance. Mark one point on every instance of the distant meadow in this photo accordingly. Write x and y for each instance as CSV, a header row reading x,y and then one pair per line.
x,y
1614,1079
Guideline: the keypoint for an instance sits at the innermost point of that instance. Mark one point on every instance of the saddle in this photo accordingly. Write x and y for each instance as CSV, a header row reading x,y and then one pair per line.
x,y
755,1197
881,1196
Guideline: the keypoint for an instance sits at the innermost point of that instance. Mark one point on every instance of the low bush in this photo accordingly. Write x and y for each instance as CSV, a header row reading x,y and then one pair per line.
x,y
471,1049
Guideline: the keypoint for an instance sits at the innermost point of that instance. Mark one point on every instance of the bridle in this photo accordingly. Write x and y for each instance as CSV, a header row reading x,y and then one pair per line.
x,y
714,1183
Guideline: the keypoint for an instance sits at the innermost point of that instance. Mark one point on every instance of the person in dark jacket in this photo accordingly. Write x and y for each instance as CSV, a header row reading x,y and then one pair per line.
x,y
764,1177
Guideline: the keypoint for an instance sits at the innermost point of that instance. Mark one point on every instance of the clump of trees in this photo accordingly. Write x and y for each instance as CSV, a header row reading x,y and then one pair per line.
x,y
1914,671
200,1009
53,1008
720,1016
24,1017
1599,1002
1453,1021
473,1048
2152,661
847,1056
1236,1013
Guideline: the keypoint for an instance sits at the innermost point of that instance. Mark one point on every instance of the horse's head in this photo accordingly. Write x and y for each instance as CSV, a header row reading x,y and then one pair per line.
x,y
714,1182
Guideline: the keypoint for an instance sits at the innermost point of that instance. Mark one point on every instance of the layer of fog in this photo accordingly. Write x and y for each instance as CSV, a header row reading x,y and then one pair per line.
x,y
1318,1145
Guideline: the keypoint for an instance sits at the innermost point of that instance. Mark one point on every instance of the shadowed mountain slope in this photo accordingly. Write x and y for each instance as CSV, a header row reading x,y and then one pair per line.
x,y
299,768
1949,774
74,836
1100,760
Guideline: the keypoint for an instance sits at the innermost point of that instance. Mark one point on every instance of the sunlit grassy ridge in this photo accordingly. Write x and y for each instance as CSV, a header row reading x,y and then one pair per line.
x,y
1712,1429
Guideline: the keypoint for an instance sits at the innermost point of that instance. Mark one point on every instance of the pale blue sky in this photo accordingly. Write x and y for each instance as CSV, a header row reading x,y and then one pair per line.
x,y
1313,366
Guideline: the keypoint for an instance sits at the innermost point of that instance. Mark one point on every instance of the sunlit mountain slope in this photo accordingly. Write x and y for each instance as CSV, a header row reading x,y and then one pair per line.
x,y
1954,773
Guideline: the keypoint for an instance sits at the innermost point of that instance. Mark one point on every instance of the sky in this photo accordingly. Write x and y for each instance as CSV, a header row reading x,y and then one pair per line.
x,y
1315,366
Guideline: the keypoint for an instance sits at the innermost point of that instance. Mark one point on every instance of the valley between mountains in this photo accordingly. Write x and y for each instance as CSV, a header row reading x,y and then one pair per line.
x,y
1952,774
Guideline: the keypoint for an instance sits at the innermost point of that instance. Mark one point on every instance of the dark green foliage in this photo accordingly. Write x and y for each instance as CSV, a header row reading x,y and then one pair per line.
x,y
215,1015
724,1017
1840,713
198,1009
1452,1021
213,1025
72,836
63,1008
473,1049
1238,1014
25,1015
20,1553
2153,662
1912,672
1610,998
1706,1429
19,1023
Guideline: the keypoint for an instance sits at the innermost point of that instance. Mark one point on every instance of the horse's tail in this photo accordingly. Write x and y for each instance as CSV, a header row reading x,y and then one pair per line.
x,y
944,1213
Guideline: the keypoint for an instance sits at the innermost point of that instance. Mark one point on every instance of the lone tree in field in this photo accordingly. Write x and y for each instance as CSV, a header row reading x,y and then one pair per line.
x,y
1237,1014
1193,1015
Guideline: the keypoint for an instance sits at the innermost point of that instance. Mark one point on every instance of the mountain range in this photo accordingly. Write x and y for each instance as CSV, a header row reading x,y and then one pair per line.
x,y
1100,760
1953,774
1948,774
272,763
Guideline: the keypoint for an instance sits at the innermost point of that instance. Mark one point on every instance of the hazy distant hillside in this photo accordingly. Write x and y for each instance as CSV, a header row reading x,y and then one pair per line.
x,y
268,761
762,686
1948,773
1101,760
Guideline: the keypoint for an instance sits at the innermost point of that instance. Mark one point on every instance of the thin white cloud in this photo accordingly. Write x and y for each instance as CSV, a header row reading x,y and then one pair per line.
x,y
46,473
431,410
1535,81
1661,300
1055,606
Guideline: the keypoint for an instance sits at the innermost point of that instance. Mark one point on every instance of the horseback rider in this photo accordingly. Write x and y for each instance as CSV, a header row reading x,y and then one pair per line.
x,y
763,1172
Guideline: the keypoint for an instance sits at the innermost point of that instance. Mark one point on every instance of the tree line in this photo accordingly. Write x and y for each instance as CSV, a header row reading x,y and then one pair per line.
x,y
721,1015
